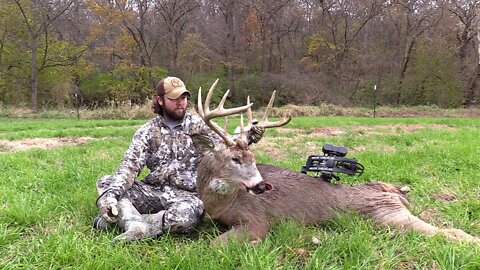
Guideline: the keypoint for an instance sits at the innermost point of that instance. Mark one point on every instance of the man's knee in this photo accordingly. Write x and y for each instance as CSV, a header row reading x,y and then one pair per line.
x,y
184,216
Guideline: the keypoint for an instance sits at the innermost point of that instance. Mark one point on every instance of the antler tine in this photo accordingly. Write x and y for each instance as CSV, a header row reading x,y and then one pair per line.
x,y
269,106
243,133
220,110
209,96
267,124
199,103
241,122
207,115
249,113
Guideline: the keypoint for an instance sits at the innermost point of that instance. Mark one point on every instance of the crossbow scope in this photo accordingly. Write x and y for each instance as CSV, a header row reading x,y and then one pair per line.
x,y
332,161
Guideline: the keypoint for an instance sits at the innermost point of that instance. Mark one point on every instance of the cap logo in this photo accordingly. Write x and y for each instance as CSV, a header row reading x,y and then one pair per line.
x,y
176,83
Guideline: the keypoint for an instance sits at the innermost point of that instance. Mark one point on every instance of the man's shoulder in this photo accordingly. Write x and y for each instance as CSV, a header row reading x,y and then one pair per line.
x,y
192,119
150,125
150,122
193,123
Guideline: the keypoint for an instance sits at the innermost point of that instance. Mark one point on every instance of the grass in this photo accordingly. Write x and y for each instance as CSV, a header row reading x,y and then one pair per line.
x,y
47,199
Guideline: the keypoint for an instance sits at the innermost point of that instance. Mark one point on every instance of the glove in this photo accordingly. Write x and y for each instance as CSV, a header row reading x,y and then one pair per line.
x,y
255,133
108,207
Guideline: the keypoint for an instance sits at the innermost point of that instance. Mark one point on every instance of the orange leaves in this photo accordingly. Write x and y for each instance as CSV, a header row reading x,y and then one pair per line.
x,y
107,14
252,27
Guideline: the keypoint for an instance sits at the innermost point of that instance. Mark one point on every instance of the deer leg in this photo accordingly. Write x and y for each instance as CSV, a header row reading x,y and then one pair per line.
x,y
395,214
241,232
458,235
252,231
403,219
237,232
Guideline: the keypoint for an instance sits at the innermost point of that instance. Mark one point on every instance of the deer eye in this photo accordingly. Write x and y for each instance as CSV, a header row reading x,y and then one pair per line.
x,y
236,160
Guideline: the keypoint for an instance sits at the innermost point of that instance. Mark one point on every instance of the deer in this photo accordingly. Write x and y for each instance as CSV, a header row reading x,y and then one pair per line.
x,y
249,198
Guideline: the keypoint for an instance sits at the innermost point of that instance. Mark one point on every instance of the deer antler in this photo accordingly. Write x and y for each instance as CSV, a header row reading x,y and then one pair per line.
x,y
207,115
265,123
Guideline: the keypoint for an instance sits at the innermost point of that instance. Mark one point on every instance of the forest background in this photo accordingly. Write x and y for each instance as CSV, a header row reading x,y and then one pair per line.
x,y
62,53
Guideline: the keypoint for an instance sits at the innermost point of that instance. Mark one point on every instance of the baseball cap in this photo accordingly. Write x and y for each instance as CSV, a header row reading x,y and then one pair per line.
x,y
171,87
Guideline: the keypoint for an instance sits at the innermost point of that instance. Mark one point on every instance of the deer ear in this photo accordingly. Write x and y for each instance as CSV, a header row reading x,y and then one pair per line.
x,y
203,144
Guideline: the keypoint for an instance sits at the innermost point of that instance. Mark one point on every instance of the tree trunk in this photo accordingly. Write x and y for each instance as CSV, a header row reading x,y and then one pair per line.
x,y
34,76
174,53
469,95
406,59
33,65
230,50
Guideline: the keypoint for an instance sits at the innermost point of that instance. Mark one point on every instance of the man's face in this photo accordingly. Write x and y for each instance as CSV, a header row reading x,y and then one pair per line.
x,y
174,109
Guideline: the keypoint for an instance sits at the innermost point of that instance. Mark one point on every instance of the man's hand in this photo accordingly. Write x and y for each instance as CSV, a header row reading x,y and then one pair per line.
x,y
108,207
255,133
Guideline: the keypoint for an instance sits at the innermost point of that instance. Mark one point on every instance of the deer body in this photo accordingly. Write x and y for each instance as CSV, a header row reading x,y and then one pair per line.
x,y
229,184
301,198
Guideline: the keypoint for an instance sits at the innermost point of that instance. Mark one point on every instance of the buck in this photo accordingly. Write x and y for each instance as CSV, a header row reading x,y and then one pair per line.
x,y
249,198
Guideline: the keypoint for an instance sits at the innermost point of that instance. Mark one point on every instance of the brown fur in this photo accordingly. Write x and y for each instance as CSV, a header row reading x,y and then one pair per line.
x,y
304,199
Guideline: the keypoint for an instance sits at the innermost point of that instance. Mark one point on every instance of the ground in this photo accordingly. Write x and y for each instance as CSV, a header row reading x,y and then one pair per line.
x,y
43,143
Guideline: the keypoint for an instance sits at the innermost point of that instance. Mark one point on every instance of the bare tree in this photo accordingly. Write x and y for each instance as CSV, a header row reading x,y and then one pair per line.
x,y
344,21
3,34
137,19
413,18
468,21
38,19
227,9
175,14
327,40
267,13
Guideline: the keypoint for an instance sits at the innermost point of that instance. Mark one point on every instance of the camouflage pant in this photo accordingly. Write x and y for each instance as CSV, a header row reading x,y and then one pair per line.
x,y
183,209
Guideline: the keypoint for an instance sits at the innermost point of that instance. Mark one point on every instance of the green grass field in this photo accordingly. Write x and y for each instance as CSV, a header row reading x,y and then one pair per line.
x,y
47,198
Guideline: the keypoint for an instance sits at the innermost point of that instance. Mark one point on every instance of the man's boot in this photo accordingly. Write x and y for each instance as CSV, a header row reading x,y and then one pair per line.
x,y
155,223
136,227
101,224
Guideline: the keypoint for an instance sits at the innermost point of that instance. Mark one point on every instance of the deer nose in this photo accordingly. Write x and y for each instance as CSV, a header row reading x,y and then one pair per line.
x,y
259,188
253,180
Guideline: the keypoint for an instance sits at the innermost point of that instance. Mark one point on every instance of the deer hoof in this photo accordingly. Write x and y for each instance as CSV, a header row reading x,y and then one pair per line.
x,y
459,236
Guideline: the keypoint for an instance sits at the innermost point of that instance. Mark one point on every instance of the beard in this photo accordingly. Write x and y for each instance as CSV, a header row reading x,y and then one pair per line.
x,y
175,114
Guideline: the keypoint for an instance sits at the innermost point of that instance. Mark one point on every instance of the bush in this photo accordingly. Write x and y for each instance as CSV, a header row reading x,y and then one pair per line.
x,y
124,83
432,80
292,88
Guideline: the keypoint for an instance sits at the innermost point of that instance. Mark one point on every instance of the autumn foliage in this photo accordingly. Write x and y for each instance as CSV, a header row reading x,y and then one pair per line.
x,y
313,52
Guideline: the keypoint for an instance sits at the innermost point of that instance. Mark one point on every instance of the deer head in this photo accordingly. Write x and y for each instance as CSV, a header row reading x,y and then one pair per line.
x,y
233,168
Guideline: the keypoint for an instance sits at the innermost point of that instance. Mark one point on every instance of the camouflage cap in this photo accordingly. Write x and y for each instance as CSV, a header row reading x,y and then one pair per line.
x,y
171,87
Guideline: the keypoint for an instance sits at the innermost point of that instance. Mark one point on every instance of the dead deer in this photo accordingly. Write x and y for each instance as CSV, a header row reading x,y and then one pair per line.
x,y
250,198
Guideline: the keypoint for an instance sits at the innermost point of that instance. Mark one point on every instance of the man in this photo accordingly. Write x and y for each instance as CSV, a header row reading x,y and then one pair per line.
x,y
166,199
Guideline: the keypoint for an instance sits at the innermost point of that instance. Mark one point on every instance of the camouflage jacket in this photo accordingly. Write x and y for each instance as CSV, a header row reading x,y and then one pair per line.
x,y
169,154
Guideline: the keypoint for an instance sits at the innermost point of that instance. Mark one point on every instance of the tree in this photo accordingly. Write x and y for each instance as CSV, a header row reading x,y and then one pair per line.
x,y
466,13
37,20
337,49
114,43
228,8
3,33
176,15
194,55
138,20
268,15
413,18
